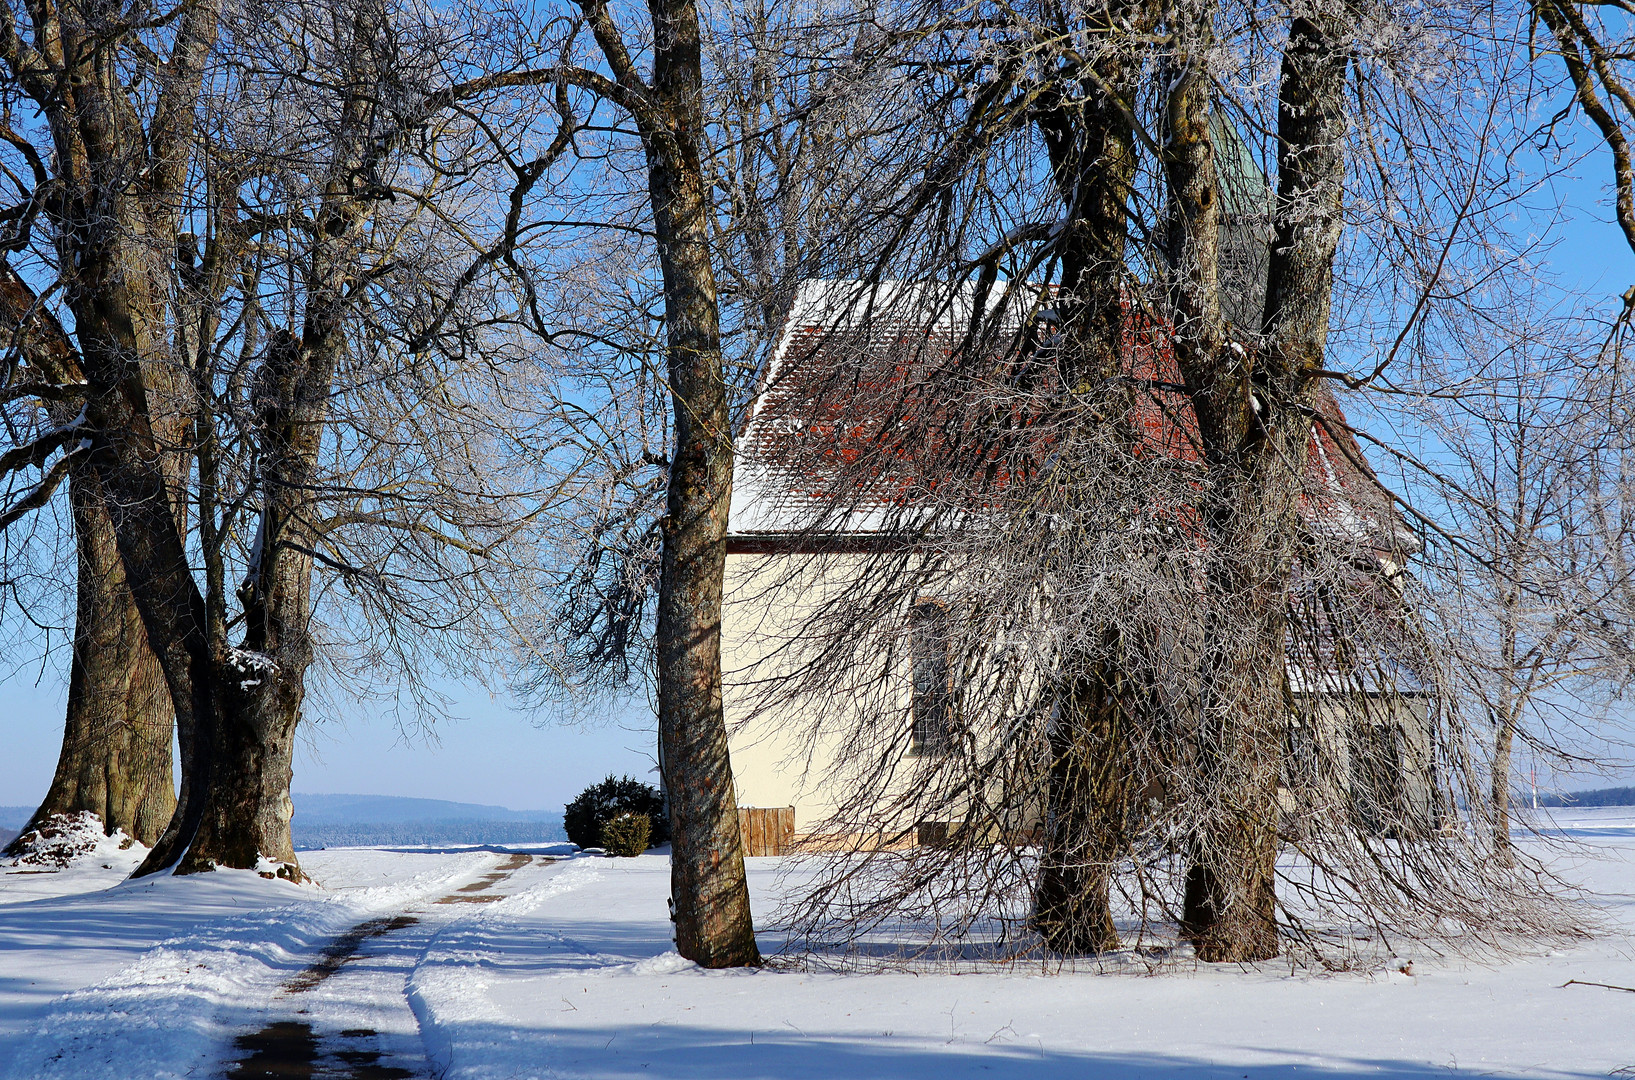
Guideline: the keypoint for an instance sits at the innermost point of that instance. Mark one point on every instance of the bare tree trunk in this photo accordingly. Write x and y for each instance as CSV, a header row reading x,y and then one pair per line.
x,y
116,751
116,748
117,192
1505,718
1256,428
1503,852
1228,907
708,889
119,726
1090,797
1093,161
247,817
1508,710
126,465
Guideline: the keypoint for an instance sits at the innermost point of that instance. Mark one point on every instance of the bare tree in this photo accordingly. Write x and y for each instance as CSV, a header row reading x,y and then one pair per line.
x,y
1177,637
1254,425
309,181
106,200
1531,483
281,178
666,106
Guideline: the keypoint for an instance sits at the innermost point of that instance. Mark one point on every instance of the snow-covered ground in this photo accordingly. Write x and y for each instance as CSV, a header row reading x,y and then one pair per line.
x,y
493,964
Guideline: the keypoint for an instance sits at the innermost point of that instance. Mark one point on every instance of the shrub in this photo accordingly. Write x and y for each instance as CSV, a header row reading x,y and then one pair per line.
x,y
625,833
583,817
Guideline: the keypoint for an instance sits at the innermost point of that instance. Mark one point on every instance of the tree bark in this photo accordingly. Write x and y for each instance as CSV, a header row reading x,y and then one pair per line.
x,y
246,819
1229,907
126,463
1504,739
116,751
1507,713
246,816
1090,799
1228,904
1091,147
117,196
708,890
1255,423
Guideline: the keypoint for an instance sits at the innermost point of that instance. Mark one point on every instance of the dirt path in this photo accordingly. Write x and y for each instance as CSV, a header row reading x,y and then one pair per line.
x,y
348,1018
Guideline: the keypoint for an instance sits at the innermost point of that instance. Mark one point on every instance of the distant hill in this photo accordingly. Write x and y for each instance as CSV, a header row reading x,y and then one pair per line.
x,y
392,809
14,817
417,833
12,820
1609,796
375,809
363,820
369,820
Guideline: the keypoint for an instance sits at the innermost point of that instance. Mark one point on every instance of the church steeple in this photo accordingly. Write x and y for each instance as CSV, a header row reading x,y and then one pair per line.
x,y
1246,218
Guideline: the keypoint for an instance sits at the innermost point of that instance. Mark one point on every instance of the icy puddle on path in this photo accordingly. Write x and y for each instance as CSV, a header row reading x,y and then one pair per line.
x,y
291,1049
359,1025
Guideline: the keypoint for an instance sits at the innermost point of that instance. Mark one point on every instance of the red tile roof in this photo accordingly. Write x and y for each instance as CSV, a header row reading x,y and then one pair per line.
x,y
883,404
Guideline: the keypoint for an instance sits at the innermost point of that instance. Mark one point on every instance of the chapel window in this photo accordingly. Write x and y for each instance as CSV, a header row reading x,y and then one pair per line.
x,y
933,700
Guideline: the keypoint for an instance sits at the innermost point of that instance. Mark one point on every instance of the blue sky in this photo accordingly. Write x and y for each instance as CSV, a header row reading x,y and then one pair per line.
x,y
494,755
1592,252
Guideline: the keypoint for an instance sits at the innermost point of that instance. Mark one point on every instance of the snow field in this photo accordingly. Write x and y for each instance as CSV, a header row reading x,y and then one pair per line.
x,y
105,862
572,974
585,986
449,988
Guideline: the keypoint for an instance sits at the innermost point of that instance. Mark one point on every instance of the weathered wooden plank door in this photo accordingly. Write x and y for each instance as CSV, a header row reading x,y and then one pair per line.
x,y
767,830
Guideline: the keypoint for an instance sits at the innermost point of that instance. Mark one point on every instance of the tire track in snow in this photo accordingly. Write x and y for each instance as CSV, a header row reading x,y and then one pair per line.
x,y
171,1013
359,1024
446,989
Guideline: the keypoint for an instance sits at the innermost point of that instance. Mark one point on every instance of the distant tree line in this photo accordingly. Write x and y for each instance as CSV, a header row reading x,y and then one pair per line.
x,y
1612,796
424,833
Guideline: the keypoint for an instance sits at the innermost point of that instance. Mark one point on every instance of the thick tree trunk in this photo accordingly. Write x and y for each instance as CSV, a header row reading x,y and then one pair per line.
x,y
118,312
1229,909
116,195
1229,903
1093,162
1090,798
126,463
172,610
116,748
116,751
246,819
1254,420
707,884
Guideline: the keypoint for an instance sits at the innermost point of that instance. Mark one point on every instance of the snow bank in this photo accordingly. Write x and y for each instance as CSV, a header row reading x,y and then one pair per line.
x,y
65,841
449,988
574,974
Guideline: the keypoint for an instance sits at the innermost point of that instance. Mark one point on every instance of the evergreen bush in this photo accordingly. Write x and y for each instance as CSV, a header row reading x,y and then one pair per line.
x,y
625,834
583,818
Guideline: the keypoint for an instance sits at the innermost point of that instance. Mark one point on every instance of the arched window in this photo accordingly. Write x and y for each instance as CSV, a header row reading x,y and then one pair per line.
x,y
933,701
